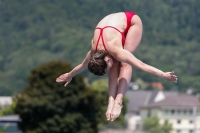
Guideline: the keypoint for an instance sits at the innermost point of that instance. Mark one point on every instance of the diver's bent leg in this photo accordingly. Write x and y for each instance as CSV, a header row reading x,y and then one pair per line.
x,y
133,39
124,80
112,84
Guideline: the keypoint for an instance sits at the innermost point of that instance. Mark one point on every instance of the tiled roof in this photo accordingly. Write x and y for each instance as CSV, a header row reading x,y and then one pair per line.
x,y
9,118
181,100
140,98
136,99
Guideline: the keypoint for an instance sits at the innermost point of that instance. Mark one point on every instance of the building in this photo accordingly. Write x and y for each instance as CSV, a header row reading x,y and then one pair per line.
x,y
182,111
141,98
10,122
5,101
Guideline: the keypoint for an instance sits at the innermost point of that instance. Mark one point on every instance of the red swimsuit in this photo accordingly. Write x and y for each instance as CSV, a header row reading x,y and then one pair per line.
x,y
129,16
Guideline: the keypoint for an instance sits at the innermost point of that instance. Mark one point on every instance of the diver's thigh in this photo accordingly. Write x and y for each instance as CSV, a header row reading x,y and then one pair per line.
x,y
133,38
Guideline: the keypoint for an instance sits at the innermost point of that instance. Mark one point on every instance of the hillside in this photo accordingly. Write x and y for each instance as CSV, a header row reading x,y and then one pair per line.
x,y
35,32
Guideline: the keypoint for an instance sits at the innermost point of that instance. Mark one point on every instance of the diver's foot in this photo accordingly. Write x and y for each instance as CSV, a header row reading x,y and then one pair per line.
x,y
109,109
116,110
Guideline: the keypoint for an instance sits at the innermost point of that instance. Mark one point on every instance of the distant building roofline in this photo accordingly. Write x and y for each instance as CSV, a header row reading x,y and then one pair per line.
x,y
179,101
10,118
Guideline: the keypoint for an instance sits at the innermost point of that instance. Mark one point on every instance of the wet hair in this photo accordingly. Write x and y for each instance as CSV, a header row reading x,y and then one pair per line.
x,y
97,64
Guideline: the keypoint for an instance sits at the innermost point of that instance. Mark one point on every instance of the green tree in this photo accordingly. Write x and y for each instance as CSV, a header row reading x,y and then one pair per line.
x,y
47,107
152,125
166,127
101,86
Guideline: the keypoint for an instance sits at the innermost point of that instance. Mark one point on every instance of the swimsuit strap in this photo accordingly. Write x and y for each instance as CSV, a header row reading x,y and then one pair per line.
x,y
112,27
101,35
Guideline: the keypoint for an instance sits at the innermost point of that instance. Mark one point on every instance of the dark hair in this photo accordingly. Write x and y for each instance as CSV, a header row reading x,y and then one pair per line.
x,y
97,64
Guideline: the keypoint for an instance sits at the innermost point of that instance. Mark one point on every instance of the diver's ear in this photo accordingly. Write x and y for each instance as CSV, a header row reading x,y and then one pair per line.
x,y
106,58
109,59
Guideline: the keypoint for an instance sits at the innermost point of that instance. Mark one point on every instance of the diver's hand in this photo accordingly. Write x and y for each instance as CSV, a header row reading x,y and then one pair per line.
x,y
64,78
170,76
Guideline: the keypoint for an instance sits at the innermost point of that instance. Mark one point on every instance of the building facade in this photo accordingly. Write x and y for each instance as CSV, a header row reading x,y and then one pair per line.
x,y
182,111
141,98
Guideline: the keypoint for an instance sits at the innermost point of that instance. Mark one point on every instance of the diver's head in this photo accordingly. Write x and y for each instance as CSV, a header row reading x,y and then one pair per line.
x,y
100,63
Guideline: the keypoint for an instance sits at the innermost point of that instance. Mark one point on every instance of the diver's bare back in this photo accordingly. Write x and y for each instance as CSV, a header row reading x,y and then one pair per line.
x,y
117,20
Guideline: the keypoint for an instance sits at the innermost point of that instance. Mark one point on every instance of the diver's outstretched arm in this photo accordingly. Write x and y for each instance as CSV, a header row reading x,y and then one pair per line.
x,y
125,56
67,77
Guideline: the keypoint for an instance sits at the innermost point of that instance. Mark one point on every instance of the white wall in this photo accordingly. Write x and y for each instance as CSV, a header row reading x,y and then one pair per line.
x,y
5,101
182,119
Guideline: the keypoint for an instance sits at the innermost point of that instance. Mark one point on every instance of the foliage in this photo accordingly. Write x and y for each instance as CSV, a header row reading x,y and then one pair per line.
x,y
152,125
8,110
2,130
35,32
47,106
101,86
141,83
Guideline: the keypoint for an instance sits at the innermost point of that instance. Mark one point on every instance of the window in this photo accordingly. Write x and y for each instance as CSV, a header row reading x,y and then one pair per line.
x,y
178,131
172,112
191,131
179,121
149,113
185,112
191,112
179,112
166,111
191,121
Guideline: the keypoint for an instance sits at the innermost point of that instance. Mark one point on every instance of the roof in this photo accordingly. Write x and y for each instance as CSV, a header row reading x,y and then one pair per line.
x,y
9,118
136,99
140,98
181,100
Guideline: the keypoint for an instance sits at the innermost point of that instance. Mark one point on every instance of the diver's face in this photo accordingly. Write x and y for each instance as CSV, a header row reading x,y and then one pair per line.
x,y
109,62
